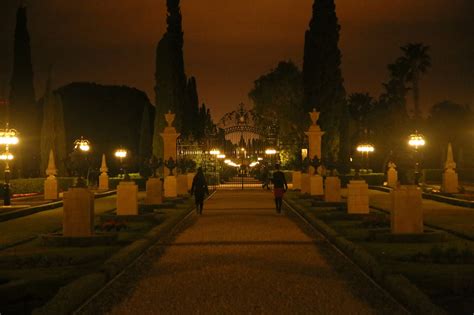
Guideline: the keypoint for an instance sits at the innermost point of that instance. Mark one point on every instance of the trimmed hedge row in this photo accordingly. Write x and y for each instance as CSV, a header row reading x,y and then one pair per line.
x,y
70,297
36,185
399,286
436,175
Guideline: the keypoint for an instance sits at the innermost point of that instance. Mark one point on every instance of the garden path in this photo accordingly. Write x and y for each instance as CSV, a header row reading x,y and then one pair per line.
x,y
240,257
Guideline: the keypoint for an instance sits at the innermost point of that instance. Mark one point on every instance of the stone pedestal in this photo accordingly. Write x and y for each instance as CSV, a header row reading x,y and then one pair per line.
x,y
127,198
103,181
78,216
171,187
450,182
190,180
332,191
314,134
51,188
392,177
296,180
357,197
305,184
182,185
406,211
316,185
169,141
154,191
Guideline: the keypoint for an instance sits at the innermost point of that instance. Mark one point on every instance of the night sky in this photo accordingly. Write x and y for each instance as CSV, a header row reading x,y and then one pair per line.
x,y
229,43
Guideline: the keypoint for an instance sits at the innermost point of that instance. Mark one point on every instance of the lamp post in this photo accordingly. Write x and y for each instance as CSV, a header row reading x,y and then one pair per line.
x,y
365,149
416,140
122,154
81,148
8,137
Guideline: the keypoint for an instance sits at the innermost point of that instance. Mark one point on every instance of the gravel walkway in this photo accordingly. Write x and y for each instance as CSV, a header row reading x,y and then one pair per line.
x,y
240,257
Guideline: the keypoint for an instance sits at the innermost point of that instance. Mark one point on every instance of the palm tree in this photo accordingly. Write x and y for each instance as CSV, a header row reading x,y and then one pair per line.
x,y
416,61
360,105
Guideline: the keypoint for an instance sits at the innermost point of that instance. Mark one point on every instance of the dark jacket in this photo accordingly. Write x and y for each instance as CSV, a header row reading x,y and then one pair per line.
x,y
279,180
199,187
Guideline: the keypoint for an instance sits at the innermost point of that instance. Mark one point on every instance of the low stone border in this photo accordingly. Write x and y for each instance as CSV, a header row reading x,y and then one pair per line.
x,y
397,285
74,295
98,239
48,206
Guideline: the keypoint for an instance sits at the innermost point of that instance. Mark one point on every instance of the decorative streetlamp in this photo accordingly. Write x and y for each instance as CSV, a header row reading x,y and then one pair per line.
x,y
365,149
215,153
122,154
8,137
416,140
81,148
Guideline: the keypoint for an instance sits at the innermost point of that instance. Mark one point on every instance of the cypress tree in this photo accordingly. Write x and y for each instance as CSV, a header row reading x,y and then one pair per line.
x,y
145,146
191,114
170,77
322,76
24,111
53,134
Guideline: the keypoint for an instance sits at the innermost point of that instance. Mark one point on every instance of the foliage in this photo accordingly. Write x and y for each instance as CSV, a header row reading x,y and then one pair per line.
x,y
278,98
145,146
53,133
322,77
170,77
191,111
25,114
113,225
108,116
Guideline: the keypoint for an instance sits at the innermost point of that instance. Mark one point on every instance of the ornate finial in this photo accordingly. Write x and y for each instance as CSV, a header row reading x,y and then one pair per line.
x,y
170,118
314,115
450,164
51,170
103,166
391,165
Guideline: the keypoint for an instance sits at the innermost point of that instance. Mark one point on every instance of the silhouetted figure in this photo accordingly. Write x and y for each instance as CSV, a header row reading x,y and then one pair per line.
x,y
279,187
265,177
199,189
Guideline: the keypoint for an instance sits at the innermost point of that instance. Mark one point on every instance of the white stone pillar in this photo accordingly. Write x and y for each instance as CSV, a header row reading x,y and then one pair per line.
x,y
392,175
314,134
103,177
305,183
182,185
154,191
169,141
171,187
78,216
127,198
357,197
296,180
316,185
332,192
450,178
190,180
406,211
51,183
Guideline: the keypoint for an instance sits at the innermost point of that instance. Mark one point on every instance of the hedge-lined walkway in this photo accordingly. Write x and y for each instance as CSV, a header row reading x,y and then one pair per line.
x,y
240,257
22,229
445,216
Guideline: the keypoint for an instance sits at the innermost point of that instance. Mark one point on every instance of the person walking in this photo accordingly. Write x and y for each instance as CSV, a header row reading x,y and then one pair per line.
x,y
199,189
265,177
279,187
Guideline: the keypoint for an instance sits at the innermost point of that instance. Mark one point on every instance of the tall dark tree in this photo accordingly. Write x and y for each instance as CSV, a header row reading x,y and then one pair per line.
x,y
191,115
322,76
170,77
53,134
145,146
416,61
24,111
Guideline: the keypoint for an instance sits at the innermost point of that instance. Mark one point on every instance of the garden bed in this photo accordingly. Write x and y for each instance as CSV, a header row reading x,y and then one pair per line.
x,y
440,264
34,273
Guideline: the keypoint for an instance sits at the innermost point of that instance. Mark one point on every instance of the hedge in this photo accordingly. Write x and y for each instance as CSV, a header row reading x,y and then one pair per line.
x,y
436,175
36,185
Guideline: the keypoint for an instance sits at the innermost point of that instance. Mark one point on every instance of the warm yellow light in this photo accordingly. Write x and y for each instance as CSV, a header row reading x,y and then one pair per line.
x,y
253,164
82,144
227,161
221,156
6,156
270,151
260,159
416,140
121,153
365,148
242,149
304,153
9,137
